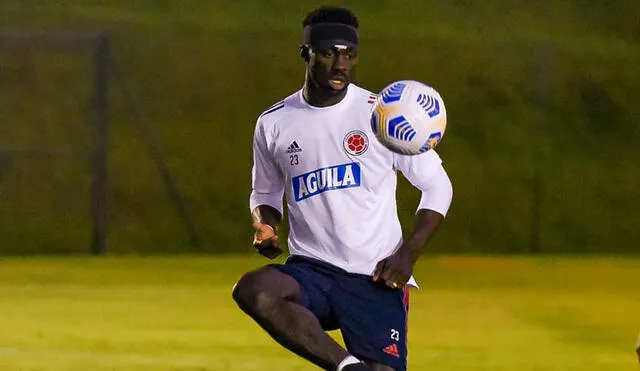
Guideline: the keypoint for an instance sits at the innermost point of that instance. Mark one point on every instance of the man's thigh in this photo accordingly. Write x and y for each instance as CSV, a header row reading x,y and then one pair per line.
x,y
315,284
373,320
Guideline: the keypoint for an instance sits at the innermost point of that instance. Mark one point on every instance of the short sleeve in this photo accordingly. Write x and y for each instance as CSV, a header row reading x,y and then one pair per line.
x,y
418,169
426,173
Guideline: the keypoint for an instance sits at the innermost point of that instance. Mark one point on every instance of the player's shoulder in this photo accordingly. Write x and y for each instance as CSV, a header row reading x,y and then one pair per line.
x,y
362,95
277,110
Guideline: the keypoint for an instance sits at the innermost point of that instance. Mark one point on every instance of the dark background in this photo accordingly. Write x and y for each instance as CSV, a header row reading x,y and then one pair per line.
x,y
541,144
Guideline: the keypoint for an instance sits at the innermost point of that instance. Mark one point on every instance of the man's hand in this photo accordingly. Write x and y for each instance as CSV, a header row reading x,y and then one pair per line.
x,y
265,240
395,270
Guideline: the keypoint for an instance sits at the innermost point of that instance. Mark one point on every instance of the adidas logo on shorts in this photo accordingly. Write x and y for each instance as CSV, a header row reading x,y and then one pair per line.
x,y
392,350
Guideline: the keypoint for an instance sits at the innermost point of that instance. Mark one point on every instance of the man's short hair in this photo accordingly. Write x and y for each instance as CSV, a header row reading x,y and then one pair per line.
x,y
331,14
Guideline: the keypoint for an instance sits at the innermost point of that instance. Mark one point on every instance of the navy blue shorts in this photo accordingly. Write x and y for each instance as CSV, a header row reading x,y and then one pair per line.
x,y
371,317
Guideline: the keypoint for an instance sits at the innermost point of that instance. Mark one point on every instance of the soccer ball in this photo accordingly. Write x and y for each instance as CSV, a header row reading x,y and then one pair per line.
x,y
409,117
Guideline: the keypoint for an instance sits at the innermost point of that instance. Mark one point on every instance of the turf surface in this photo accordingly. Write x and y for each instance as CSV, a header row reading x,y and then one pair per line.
x,y
175,313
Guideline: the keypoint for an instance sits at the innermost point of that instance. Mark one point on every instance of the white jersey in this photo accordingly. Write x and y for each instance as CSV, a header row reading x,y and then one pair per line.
x,y
338,180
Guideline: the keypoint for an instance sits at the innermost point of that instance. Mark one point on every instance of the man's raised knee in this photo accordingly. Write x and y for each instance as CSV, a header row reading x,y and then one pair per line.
x,y
246,289
260,290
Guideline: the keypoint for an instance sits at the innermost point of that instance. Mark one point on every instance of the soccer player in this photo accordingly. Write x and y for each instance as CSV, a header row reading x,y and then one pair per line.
x,y
349,267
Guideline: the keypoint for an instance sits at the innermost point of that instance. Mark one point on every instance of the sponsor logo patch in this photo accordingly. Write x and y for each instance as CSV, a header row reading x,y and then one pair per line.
x,y
326,179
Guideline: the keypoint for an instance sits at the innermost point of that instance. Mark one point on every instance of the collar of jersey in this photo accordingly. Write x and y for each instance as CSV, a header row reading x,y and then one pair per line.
x,y
342,102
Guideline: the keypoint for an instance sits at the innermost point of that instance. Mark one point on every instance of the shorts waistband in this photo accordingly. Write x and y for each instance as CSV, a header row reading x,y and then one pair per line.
x,y
322,264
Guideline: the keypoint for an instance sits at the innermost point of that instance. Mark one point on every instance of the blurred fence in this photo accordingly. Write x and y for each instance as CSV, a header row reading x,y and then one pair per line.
x,y
54,143
53,105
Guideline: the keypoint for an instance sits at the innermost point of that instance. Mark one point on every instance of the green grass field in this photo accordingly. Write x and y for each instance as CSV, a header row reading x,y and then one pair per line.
x,y
176,313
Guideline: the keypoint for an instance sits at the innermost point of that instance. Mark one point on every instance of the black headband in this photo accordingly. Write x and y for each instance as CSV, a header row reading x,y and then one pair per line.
x,y
328,34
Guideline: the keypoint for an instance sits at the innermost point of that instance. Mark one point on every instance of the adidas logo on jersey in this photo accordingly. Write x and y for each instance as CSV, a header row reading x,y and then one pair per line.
x,y
294,148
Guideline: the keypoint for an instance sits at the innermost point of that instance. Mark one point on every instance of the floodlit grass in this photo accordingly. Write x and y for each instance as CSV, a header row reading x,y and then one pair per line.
x,y
176,313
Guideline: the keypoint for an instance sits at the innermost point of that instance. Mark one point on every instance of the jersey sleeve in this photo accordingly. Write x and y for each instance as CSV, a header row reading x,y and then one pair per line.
x,y
426,173
267,186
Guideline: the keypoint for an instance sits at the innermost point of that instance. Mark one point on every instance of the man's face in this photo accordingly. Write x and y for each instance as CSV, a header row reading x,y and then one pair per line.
x,y
331,67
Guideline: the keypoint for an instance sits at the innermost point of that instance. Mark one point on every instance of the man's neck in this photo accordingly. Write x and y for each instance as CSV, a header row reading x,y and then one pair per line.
x,y
318,97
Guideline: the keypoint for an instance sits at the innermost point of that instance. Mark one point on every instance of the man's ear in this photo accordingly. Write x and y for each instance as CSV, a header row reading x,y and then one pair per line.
x,y
305,52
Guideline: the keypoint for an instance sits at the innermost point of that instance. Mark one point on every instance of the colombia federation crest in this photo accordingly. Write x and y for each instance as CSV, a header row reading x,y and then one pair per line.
x,y
355,142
